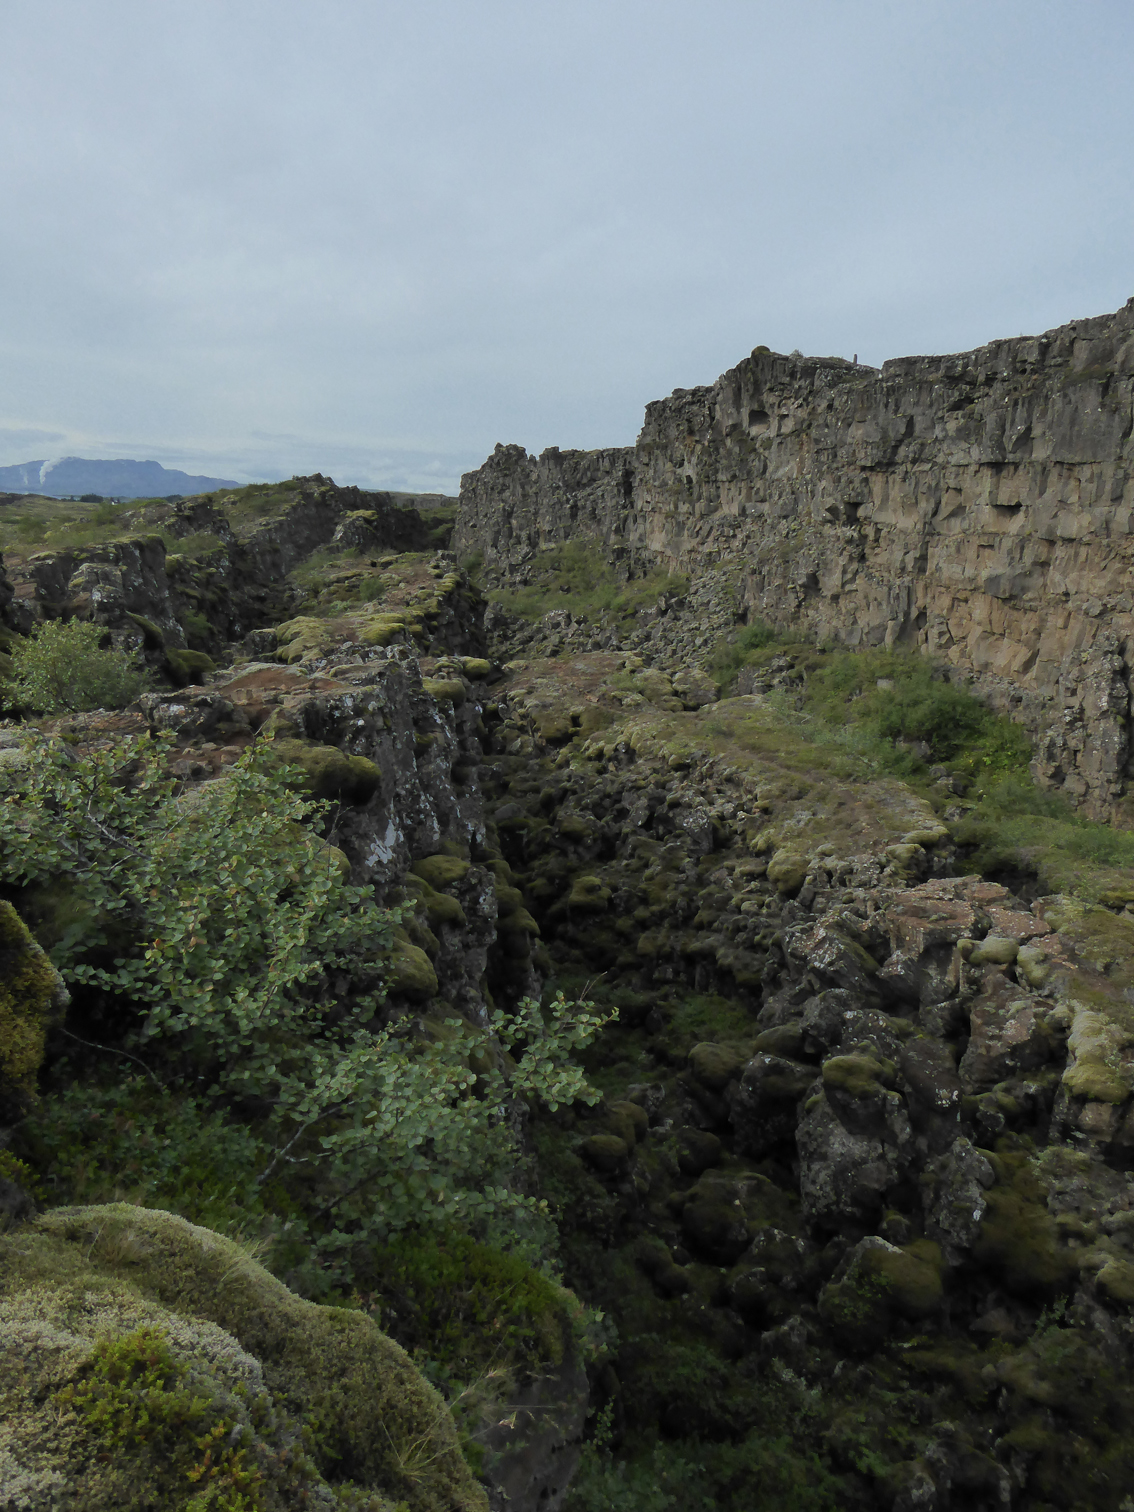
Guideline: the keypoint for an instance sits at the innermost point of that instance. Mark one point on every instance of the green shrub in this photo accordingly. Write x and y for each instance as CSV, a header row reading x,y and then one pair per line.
x,y
468,1306
882,703
64,668
256,974
96,1143
732,655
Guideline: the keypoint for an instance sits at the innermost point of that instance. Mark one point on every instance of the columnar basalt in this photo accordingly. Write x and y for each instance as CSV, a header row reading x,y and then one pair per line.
x,y
977,506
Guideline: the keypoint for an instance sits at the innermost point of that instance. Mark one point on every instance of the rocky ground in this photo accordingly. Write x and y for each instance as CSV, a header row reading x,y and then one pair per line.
x,y
857,1200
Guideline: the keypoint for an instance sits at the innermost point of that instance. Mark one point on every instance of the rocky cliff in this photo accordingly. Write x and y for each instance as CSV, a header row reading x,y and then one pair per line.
x,y
976,506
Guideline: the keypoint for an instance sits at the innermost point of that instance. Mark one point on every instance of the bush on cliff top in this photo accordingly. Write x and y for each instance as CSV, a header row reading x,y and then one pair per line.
x,y
884,706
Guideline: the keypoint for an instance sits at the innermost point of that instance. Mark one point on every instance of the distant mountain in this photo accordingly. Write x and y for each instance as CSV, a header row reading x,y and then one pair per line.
x,y
59,477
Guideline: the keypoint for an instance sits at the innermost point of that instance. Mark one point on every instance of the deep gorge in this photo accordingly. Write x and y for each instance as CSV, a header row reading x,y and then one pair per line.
x,y
798,735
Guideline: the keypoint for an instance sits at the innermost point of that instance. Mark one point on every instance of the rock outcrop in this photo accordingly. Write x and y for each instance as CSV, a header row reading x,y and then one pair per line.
x,y
142,1357
977,506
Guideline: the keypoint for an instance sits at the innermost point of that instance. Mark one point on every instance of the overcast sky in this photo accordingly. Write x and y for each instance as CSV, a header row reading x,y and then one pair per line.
x,y
372,240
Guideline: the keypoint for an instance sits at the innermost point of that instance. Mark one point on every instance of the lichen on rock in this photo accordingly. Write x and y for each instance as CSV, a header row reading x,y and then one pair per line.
x,y
145,1360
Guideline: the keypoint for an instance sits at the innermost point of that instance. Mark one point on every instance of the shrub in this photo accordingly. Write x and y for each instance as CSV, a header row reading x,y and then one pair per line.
x,y
257,973
731,655
137,1140
64,668
899,698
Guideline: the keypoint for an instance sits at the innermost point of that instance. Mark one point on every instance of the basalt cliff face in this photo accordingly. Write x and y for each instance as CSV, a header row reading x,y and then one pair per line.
x,y
978,506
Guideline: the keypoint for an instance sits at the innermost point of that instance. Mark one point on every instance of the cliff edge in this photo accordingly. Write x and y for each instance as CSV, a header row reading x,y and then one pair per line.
x,y
977,506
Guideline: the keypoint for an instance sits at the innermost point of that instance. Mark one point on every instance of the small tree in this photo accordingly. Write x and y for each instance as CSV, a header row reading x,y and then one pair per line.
x,y
63,669
259,969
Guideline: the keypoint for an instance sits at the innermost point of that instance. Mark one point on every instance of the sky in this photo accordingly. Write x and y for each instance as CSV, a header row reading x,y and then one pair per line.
x,y
372,240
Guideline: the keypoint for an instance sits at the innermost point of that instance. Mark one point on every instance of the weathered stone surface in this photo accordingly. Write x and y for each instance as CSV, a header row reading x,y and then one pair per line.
x,y
843,1176
955,1201
979,506
765,1108
1008,1036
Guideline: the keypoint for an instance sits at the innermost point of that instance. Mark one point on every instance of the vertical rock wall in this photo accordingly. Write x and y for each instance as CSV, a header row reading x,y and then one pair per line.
x,y
977,506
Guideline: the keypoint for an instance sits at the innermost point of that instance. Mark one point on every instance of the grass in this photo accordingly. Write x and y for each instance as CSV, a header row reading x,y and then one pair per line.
x,y
200,543
336,580
742,650
894,710
580,579
1017,827
54,524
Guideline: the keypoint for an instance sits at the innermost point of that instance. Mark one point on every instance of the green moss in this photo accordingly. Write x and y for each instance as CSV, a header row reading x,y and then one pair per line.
x,y
859,1075
911,1276
475,667
439,907
410,972
468,1306
326,772
154,635
445,689
31,996
188,667
198,1339
856,1310
787,870
440,871
715,1065
589,895
1018,1236
304,636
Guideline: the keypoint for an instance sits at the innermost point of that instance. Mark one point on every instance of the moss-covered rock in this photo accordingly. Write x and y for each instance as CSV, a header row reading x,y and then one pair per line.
x,y
32,995
881,1280
154,635
188,667
588,895
410,972
146,1360
439,907
858,1076
450,690
441,871
475,668
381,629
714,1066
326,772
605,1152
995,950
787,871
1096,1068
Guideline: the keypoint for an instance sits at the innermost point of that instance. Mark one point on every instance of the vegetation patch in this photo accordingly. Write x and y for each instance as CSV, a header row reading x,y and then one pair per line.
x,y
65,667
581,580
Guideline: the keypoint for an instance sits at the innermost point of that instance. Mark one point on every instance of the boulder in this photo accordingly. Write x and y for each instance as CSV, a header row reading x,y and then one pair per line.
x,y
843,1177
113,1319
765,1109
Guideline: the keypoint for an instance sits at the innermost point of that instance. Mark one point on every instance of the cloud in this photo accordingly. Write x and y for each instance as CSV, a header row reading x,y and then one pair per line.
x,y
389,237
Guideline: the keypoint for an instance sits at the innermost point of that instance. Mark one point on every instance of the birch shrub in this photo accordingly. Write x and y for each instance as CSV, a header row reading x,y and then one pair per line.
x,y
223,925
63,668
